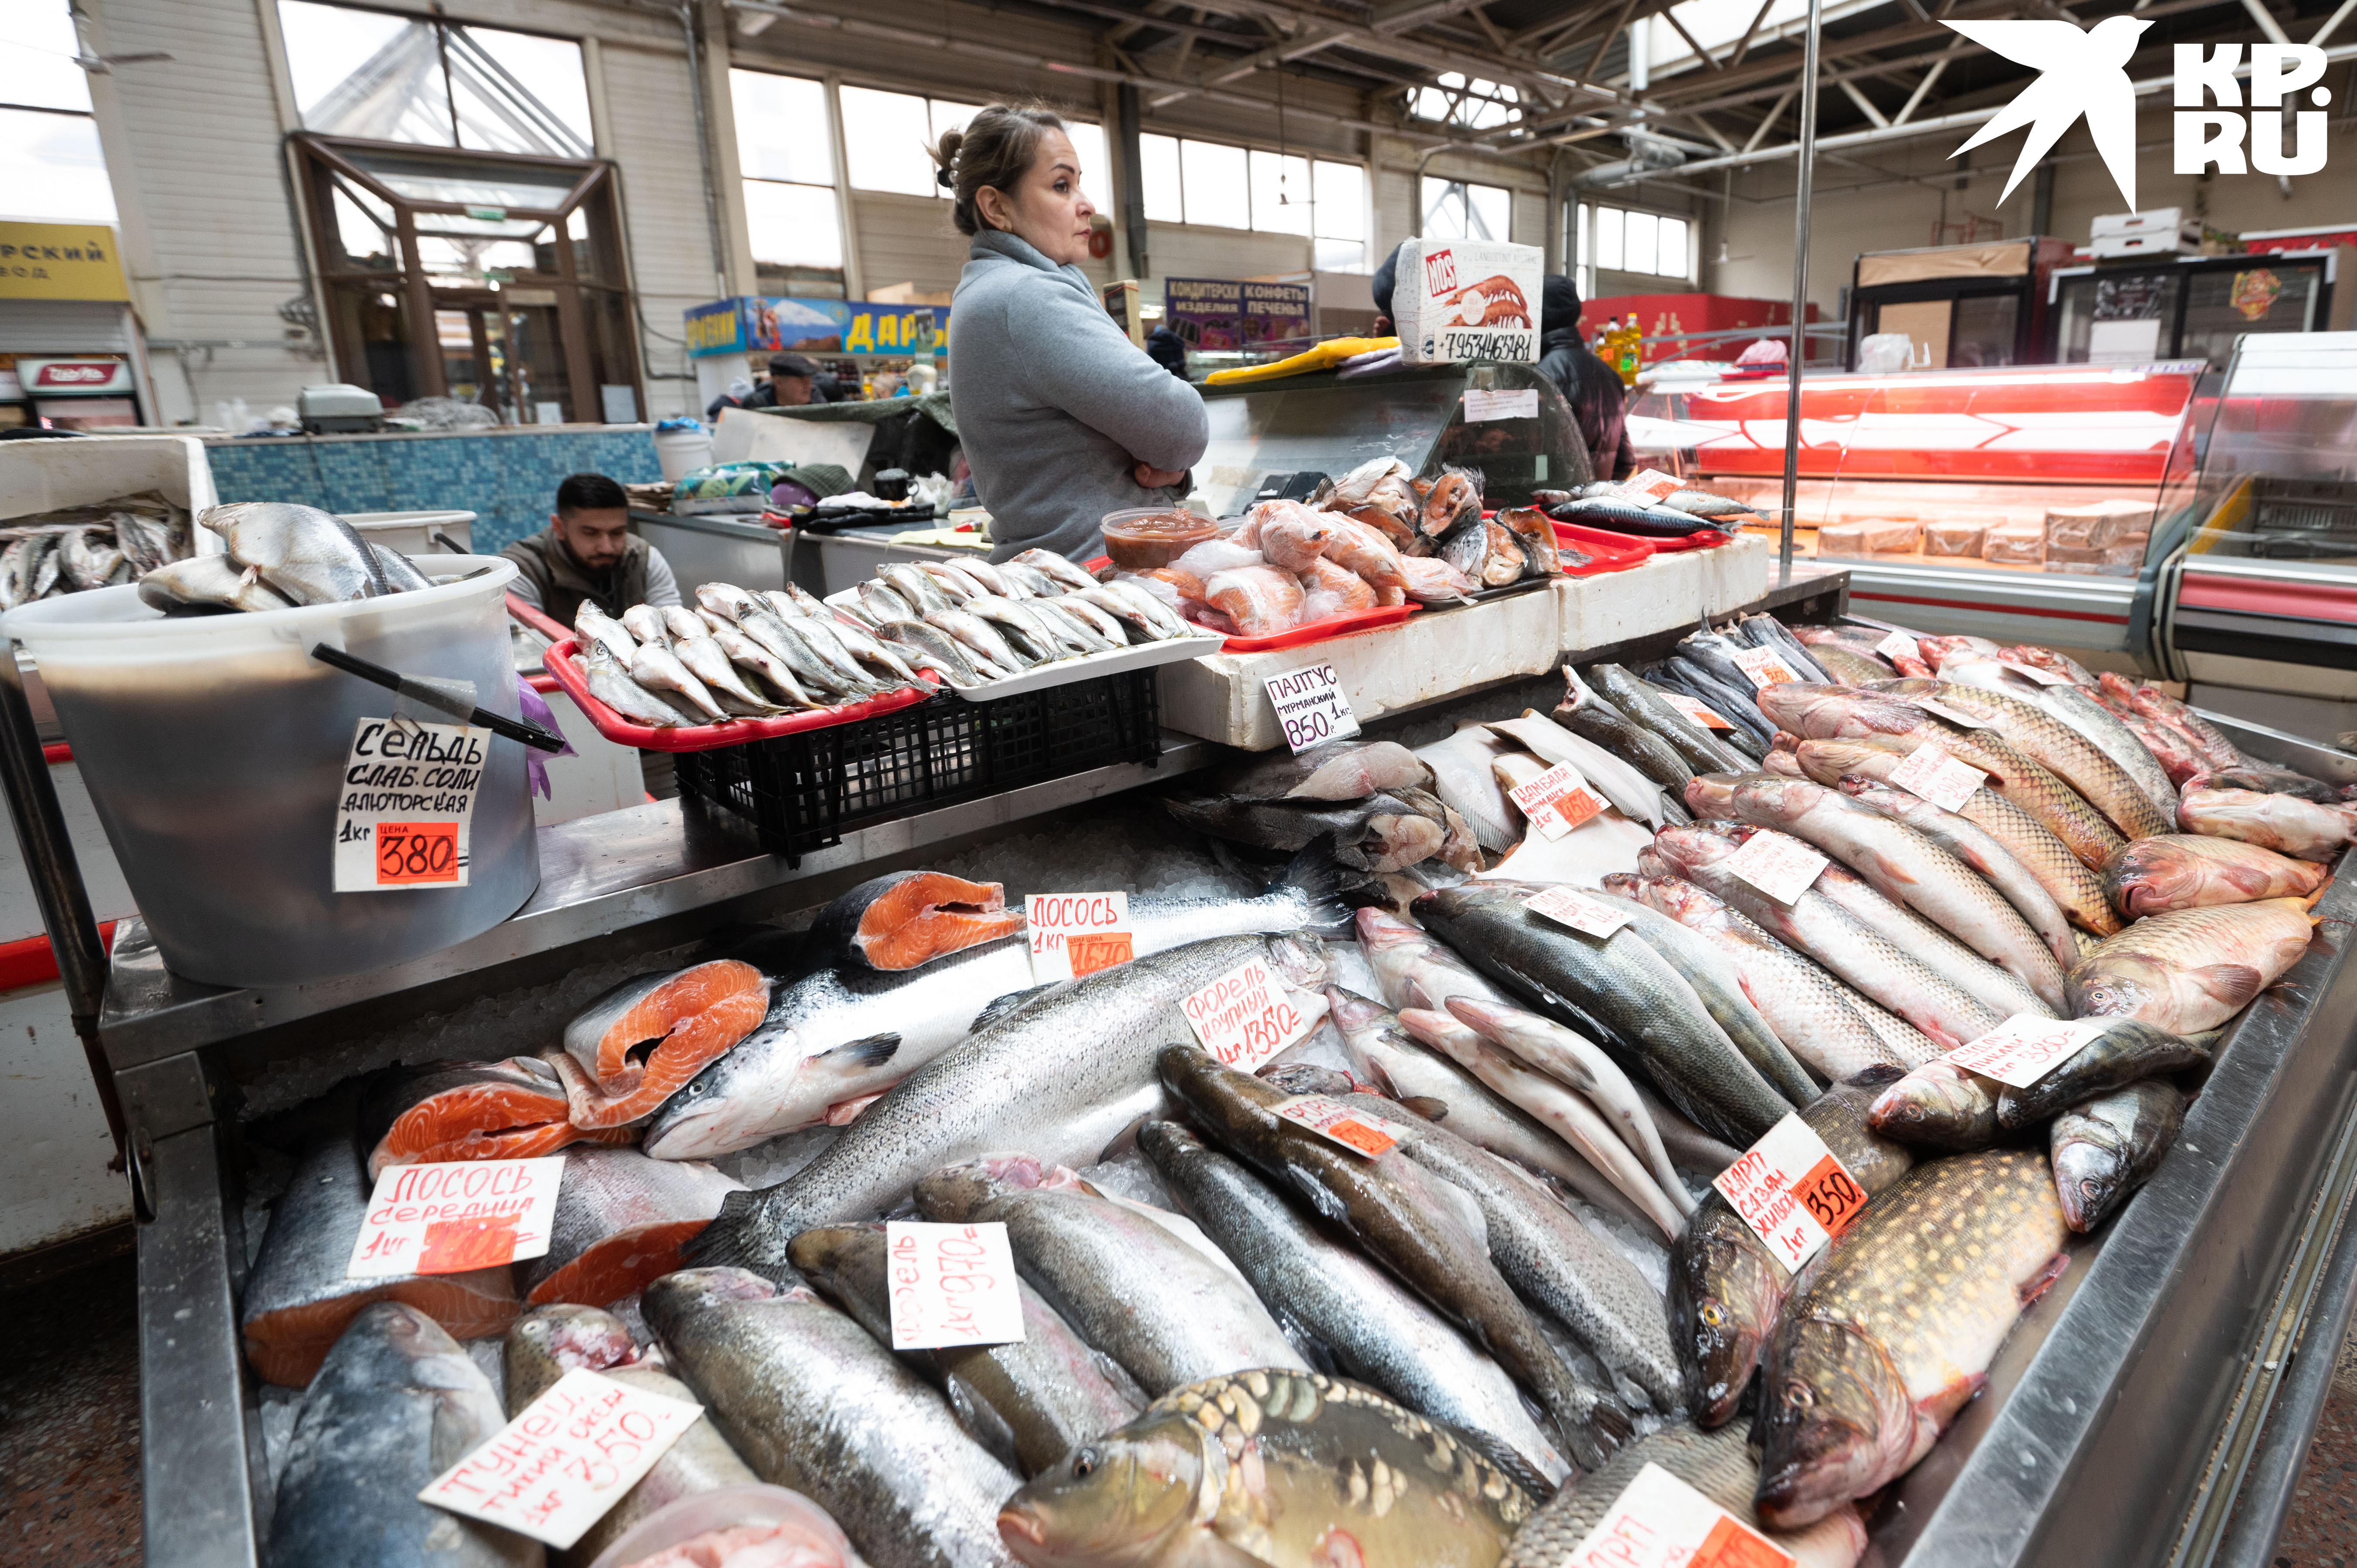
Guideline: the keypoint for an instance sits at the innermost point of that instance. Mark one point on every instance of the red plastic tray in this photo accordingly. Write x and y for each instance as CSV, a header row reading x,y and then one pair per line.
x,y
710,737
1610,552
1319,630
1708,538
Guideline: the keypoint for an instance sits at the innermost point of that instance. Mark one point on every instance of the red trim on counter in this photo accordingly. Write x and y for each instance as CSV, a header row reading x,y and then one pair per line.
x,y
57,752
1992,609
539,620
31,962
2282,597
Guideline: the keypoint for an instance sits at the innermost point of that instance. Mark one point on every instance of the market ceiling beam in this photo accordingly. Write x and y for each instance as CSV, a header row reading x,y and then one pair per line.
x,y
1432,56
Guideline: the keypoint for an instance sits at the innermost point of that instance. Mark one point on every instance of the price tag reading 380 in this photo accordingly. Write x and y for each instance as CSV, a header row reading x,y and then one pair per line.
x,y
1312,707
404,805
1792,1191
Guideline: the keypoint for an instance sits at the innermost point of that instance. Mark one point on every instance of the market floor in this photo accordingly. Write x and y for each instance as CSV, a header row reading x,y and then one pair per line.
x,y
70,1435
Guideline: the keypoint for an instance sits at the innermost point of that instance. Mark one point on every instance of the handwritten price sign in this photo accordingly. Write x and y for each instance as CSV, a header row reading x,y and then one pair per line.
x,y
556,1469
1335,1121
1073,934
1557,801
1243,1017
1565,906
1659,1522
1311,705
2026,1048
951,1284
448,1218
1778,864
405,804
1930,773
1899,645
1792,1191
1649,484
1700,713
1765,667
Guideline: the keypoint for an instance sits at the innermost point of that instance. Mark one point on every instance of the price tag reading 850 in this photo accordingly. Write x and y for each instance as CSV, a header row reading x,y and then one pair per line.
x,y
1311,705
404,803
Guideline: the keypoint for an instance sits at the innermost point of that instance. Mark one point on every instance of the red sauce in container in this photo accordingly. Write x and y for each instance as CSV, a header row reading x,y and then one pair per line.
x,y
1142,538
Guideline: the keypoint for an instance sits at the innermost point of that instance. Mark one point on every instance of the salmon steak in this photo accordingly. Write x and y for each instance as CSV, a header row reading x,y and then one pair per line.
x,y
631,1049
619,1222
440,1112
297,1300
909,917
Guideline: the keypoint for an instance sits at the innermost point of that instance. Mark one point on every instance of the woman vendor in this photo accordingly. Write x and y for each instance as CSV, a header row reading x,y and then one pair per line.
x,y
1062,418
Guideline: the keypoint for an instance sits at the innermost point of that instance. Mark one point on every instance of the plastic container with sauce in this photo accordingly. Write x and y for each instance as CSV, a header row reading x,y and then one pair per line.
x,y
1142,538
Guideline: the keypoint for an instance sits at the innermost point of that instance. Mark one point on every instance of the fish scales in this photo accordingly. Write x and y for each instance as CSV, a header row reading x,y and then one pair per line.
x,y
2192,970
2047,740
1981,853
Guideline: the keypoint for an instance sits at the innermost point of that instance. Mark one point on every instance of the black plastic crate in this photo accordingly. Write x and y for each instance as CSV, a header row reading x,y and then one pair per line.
x,y
804,791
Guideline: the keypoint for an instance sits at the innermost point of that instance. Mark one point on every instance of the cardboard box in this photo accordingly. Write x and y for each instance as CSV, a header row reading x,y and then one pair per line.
x,y
1878,536
1467,299
2151,221
2016,544
1956,538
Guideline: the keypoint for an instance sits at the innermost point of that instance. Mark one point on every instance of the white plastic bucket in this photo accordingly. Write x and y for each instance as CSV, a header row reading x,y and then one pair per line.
x,y
682,452
412,532
214,749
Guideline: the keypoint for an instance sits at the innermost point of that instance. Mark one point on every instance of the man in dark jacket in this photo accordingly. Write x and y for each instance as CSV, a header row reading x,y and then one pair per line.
x,y
587,552
1598,402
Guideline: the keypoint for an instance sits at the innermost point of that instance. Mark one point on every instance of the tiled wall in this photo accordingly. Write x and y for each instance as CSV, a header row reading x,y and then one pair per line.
x,y
508,480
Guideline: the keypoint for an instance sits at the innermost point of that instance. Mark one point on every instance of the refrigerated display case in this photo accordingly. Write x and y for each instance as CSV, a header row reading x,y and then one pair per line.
x,y
2189,307
1962,306
2014,502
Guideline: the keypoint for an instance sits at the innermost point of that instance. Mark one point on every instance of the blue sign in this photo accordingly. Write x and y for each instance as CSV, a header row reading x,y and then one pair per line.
x,y
757,323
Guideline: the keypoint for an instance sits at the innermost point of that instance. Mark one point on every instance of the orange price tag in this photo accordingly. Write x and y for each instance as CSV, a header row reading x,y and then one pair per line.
x,y
1832,1197
411,853
1091,953
1334,1120
456,1246
1729,1545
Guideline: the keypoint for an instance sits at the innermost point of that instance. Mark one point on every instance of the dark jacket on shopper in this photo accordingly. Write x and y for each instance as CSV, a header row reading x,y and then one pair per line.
x,y
544,561
1598,402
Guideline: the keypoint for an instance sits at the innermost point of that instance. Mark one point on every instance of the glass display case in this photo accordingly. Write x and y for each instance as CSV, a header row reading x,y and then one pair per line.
x,y
1962,305
2047,469
2189,307
1508,420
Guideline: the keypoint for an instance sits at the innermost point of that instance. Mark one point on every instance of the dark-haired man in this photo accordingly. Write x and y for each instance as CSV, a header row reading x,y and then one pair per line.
x,y
587,552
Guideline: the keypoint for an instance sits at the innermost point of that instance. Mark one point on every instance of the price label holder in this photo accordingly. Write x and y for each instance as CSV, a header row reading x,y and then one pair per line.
x,y
1929,771
1647,486
951,1284
1244,1017
1338,1123
1557,801
1696,710
405,804
1073,934
1505,405
2043,677
1660,1522
1312,707
1792,1191
1899,645
1765,667
566,1459
2026,1048
1956,716
1568,906
1778,864
447,1219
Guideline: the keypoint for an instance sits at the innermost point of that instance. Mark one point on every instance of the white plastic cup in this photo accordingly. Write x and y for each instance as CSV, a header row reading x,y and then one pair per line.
x,y
682,452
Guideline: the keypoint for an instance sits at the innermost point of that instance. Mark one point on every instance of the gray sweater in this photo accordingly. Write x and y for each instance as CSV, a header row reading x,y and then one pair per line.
x,y
1054,403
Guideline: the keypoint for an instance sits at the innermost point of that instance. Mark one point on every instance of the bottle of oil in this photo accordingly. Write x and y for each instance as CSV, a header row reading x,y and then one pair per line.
x,y
1628,350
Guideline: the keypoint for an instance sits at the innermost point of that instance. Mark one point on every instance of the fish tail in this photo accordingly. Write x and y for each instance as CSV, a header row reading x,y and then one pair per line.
x,y
2309,902
1319,877
733,1241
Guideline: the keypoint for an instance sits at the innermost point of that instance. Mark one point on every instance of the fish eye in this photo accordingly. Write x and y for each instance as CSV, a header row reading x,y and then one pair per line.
x,y
1799,1395
1711,1315
1084,1464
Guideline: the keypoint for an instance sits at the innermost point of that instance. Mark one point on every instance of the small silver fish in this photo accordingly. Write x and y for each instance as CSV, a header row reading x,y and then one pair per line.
x,y
980,635
208,580
1055,568
658,669
747,654
645,623
312,557
611,683
723,599
596,626
709,662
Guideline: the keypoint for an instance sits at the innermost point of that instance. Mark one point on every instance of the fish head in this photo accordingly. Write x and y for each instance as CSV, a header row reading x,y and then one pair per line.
x,y
1805,708
1773,797
1711,794
705,1116
2153,876
1355,1016
2122,985
1835,1423
1725,1292
549,1341
958,1192
1686,850
2091,1163
1125,1500
1936,1103
1298,958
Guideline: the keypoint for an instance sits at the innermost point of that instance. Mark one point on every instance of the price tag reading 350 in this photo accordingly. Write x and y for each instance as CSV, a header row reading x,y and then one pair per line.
x,y
1792,1191
1244,1017
1311,705
404,804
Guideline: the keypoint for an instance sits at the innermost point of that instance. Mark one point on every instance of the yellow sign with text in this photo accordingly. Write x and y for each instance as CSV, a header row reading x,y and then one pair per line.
x,y
59,260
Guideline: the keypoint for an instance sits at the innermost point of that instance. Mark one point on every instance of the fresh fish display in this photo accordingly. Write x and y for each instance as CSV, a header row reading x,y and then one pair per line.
x,y
1638,797
1939,1105
2104,1150
75,549
1028,1404
2054,745
2192,970
437,1112
2124,1053
2075,706
618,1223
610,682
296,1300
2285,823
1339,1474
1337,771
842,1033
911,918
1126,1285
1377,834
1696,745
394,1405
1597,720
680,1020
2185,871
1973,846
1875,1355
311,557
813,1403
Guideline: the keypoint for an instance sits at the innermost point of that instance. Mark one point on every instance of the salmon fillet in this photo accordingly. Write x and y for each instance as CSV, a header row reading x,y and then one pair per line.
x,y
447,1111
698,1012
900,921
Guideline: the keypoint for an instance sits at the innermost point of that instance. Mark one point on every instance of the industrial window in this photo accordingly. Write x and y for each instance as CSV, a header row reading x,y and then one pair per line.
x,y
1217,186
381,78
1624,240
1454,209
887,137
1466,101
56,172
785,149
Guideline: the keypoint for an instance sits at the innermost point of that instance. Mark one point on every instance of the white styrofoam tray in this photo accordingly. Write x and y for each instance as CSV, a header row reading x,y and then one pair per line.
x,y
43,476
1113,662
1674,588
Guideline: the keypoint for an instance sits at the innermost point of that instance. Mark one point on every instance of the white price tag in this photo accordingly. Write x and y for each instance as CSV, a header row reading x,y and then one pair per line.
x,y
447,1219
951,1284
2043,677
1931,773
557,1467
2026,1048
405,804
1659,1522
1073,934
1696,710
1557,801
1956,716
1338,1123
1778,864
1766,668
1487,405
1899,645
1243,1017
1312,707
1649,484
1792,1191
1568,906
